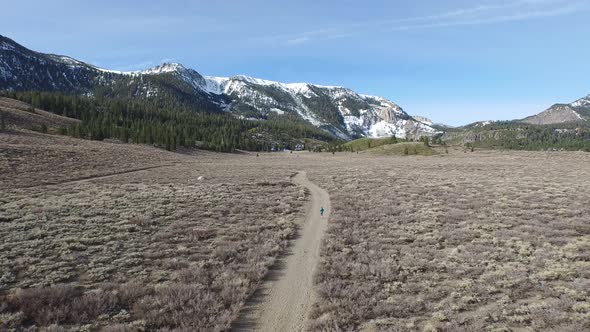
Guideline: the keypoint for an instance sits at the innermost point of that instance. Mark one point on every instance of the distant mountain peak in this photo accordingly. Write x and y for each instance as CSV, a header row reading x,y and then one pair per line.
x,y
560,113
166,67
338,110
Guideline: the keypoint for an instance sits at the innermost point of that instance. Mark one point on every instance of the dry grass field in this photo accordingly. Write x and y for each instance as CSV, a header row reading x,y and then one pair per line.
x,y
32,159
496,241
129,238
175,247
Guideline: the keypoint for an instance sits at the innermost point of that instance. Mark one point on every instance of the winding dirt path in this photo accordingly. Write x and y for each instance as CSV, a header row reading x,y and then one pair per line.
x,y
284,300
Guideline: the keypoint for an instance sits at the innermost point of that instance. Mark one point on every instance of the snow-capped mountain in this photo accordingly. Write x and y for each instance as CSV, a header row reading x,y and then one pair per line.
x,y
23,69
342,111
578,111
338,110
582,104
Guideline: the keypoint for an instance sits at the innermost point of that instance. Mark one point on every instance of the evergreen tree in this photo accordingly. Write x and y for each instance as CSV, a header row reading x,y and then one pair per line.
x,y
2,122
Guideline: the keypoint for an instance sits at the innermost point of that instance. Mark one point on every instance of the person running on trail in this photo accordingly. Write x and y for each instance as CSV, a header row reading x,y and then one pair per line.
x,y
322,211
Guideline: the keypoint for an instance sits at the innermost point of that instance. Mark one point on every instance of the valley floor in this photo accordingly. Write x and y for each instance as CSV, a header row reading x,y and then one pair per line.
x,y
116,236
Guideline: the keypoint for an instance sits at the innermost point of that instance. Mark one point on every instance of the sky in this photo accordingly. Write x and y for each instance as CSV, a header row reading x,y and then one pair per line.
x,y
454,61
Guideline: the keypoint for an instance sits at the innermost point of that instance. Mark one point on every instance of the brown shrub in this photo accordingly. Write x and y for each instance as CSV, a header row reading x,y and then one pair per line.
x,y
47,306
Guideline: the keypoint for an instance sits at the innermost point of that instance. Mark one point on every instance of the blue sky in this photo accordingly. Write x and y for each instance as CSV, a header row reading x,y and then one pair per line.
x,y
454,61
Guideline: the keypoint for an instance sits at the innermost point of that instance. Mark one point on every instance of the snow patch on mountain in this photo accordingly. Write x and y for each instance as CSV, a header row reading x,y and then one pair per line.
x,y
253,80
424,120
215,85
583,102
383,129
353,123
164,68
4,46
66,60
482,123
221,85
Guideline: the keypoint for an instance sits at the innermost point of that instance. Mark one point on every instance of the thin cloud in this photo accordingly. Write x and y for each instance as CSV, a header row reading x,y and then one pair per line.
x,y
480,15
298,40
493,20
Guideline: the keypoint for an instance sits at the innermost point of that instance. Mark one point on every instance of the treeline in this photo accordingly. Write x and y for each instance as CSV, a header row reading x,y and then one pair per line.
x,y
145,122
518,136
548,138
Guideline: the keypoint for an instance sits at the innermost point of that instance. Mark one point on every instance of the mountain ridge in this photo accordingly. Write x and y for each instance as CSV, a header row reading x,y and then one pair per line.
x,y
577,111
338,110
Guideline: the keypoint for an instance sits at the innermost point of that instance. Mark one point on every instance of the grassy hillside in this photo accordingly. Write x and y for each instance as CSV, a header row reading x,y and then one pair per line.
x,y
363,144
403,149
16,114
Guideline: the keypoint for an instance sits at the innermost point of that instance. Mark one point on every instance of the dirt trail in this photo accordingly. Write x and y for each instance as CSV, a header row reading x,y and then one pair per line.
x,y
99,176
284,300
